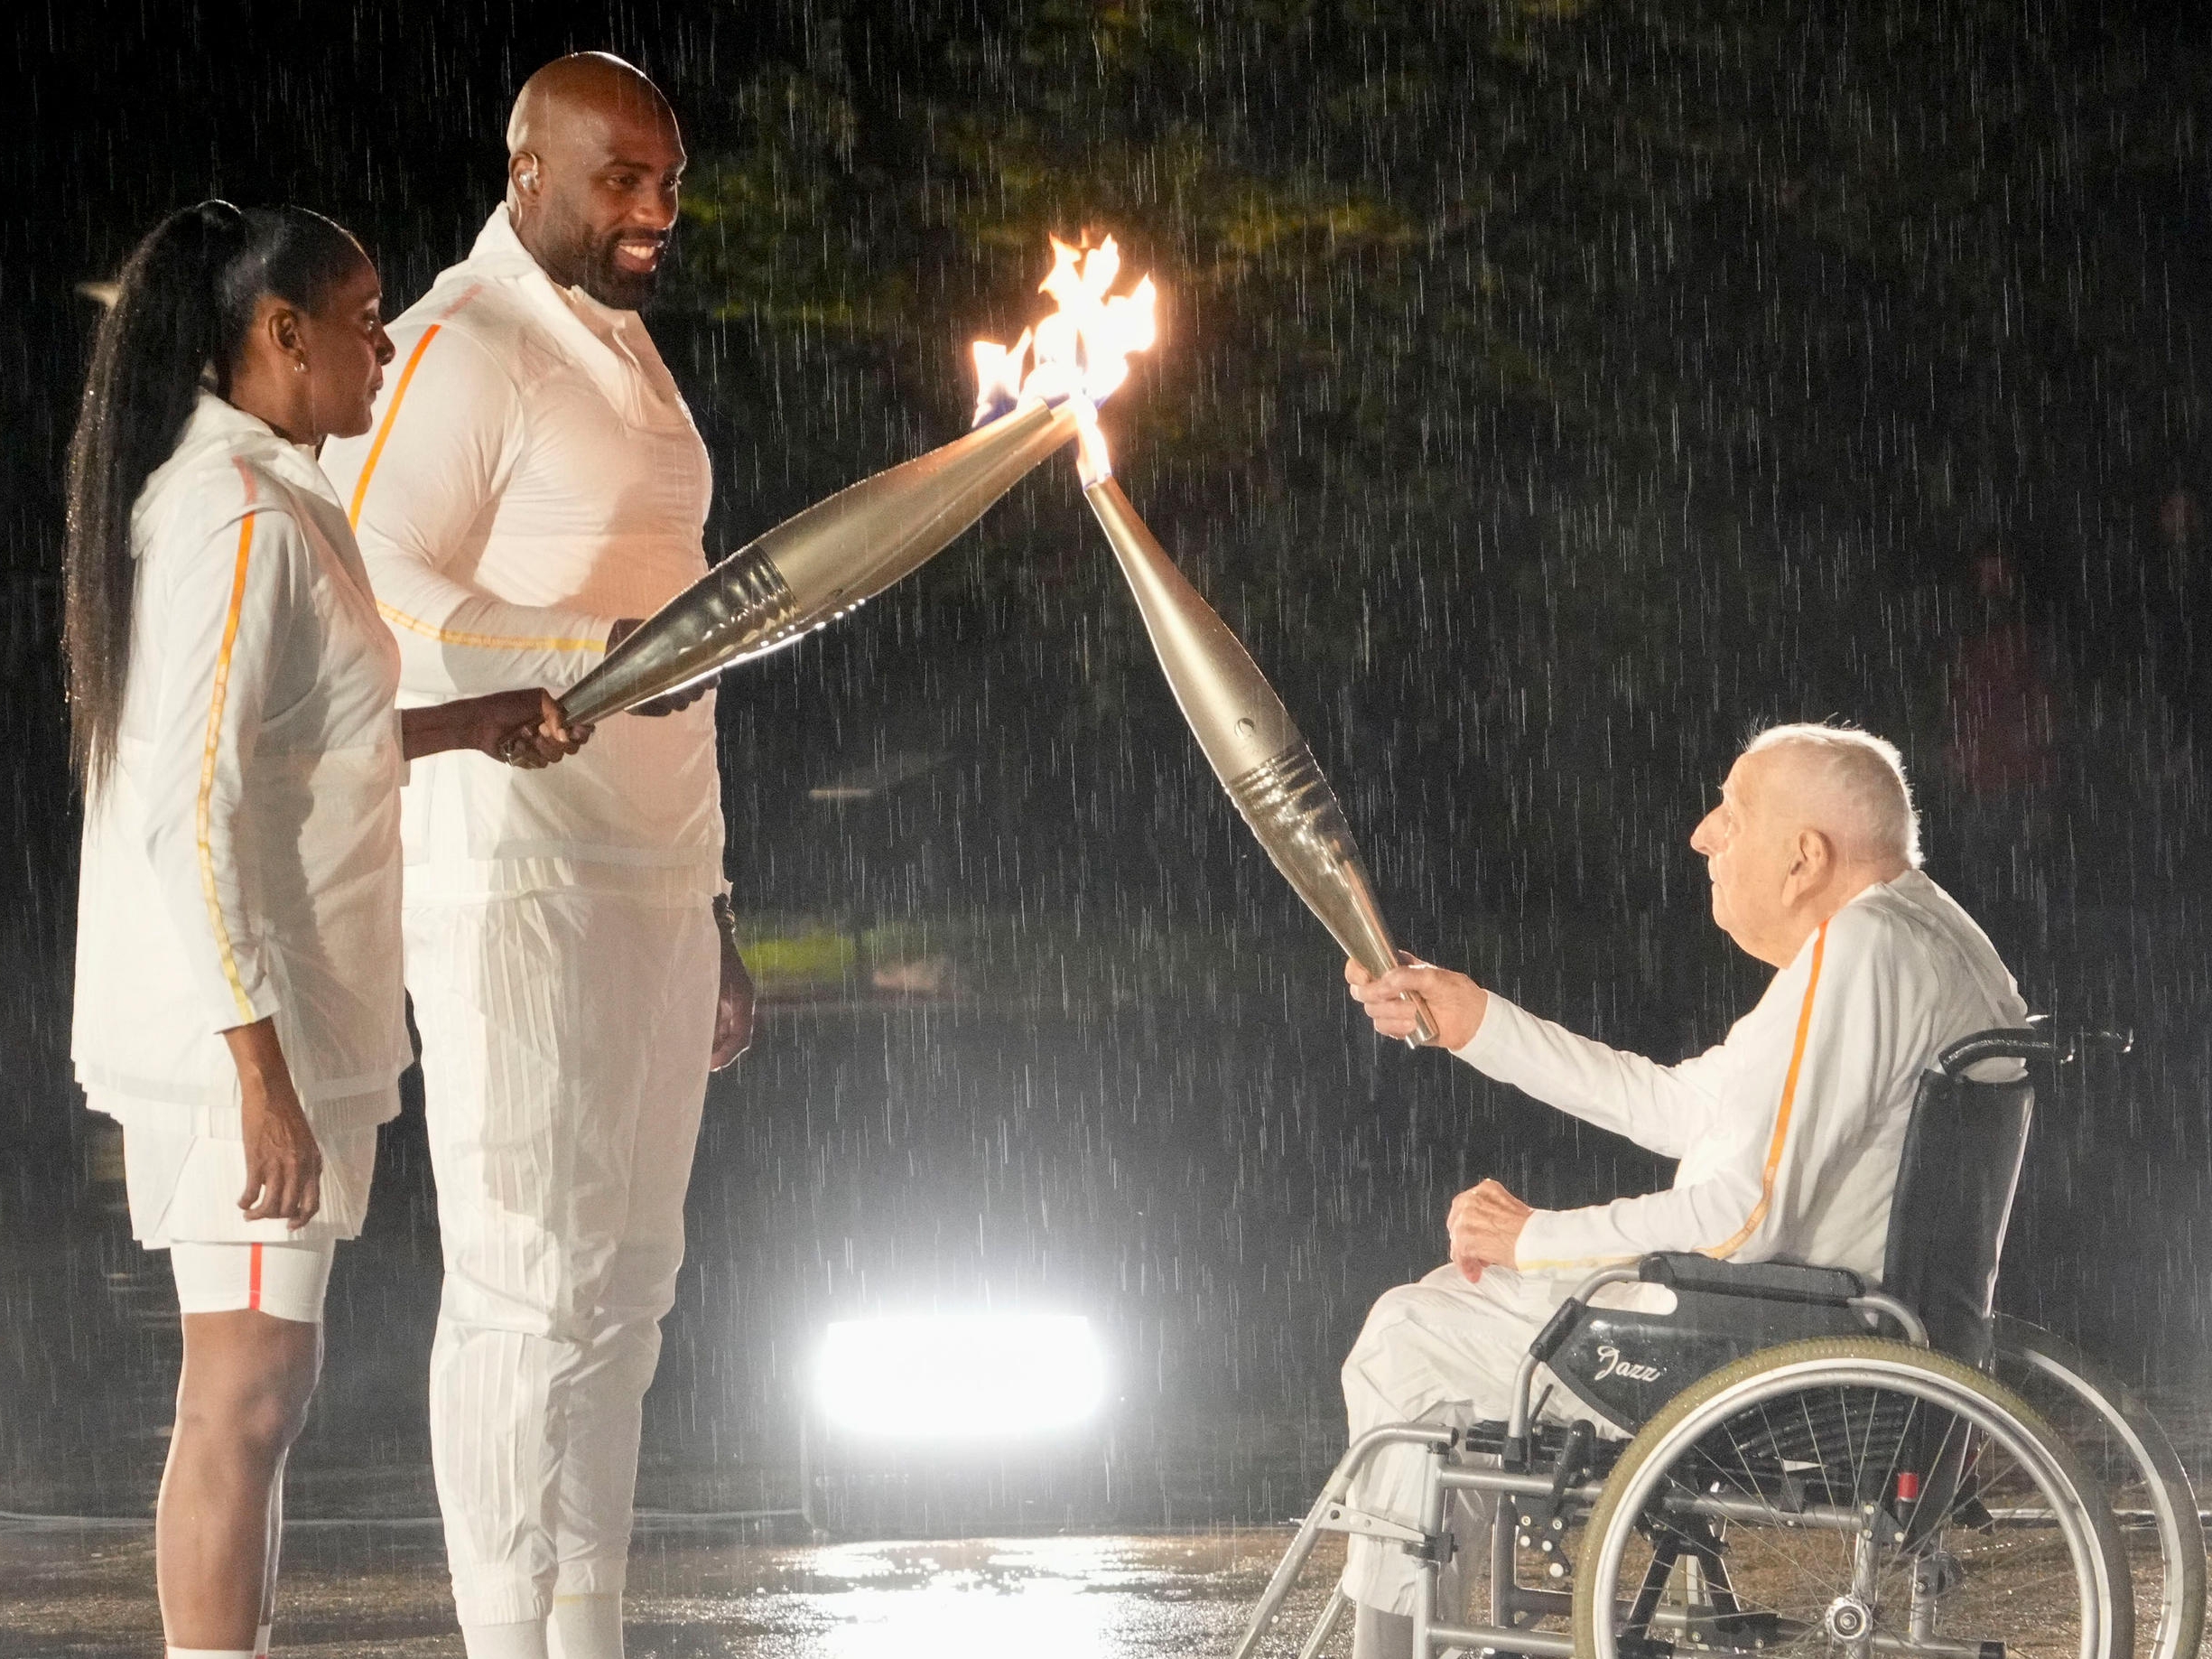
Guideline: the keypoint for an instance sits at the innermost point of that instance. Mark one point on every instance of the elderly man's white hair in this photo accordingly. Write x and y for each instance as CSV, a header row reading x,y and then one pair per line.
x,y
1860,779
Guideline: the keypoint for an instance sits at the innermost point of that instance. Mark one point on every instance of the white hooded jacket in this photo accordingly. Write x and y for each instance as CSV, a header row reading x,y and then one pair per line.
x,y
532,474
242,861
1789,1131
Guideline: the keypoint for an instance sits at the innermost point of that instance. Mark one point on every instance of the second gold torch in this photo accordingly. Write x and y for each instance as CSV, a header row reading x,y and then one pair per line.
x,y
1247,733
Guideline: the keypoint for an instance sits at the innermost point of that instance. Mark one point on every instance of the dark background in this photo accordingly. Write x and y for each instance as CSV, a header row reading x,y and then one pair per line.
x,y
1550,391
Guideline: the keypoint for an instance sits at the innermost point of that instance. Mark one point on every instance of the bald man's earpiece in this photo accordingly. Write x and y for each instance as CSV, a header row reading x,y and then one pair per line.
x,y
529,180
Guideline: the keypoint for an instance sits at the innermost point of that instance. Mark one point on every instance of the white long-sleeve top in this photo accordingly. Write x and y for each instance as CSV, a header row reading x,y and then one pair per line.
x,y
1789,1131
243,859
533,474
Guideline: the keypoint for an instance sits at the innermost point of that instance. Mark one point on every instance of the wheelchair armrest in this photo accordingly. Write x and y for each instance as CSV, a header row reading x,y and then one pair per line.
x,y
1781,1281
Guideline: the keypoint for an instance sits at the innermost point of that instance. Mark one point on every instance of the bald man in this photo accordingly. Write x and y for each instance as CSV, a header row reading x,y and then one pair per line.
x,y
531,483
1789,1133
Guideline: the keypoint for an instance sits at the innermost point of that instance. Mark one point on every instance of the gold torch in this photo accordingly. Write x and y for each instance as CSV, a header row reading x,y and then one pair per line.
x,y
814,568
1247,735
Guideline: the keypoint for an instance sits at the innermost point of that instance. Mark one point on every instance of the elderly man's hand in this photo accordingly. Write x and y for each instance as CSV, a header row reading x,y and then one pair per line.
x,y
1484,1226
1455,1003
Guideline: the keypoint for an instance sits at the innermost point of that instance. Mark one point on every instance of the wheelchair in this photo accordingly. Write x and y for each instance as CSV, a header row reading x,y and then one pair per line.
x,y
1812,1466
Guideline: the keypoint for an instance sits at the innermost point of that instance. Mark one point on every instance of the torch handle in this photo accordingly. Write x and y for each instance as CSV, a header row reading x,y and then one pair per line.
x,y
817,566
1250,742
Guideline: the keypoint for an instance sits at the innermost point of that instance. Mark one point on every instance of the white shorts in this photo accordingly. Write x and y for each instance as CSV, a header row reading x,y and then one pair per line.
x,y
284,1280
185,1187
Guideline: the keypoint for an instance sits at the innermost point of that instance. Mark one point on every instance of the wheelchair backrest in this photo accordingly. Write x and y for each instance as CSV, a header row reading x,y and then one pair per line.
x,y
1963,1150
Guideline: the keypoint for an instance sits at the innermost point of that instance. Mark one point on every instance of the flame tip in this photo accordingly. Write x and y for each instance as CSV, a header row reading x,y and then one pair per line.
x,y
1082,348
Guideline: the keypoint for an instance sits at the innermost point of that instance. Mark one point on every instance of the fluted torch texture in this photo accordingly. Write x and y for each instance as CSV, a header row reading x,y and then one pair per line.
x,y
812,568
1250,742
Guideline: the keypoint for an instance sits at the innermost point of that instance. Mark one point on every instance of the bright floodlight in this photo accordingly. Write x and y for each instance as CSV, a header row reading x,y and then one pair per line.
x,y
960,1376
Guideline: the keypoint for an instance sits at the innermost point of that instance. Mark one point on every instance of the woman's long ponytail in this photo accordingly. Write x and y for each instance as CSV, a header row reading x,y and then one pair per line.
x,y
183,305
158,338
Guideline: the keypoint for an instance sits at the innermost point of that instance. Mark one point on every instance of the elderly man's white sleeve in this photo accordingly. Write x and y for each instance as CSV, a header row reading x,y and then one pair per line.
x,y
1809,1067
221,613
418,488
1662,1107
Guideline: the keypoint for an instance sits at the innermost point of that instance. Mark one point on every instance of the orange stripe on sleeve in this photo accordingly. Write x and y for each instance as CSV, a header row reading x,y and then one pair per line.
x,y
398,618
489,642
384,427
200,823
1781,1116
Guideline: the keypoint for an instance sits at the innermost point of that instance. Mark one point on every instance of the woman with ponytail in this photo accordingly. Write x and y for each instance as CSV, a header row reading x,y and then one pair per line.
x,y
238,993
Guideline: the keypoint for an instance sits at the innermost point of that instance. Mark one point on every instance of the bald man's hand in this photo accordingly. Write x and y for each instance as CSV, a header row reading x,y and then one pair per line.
x,y
1455,1003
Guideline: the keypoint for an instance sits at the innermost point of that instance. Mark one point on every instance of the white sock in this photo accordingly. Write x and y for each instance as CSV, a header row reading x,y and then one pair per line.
x,y
524,1639
585,1627
210,1653
261,1642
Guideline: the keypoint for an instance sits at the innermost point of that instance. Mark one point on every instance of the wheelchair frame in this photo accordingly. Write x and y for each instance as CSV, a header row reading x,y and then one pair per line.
x,y
1531,1501
1515,1477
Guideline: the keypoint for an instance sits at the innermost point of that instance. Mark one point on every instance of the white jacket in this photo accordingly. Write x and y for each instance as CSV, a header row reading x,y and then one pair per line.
x,y
243,860
532,474
1789,1131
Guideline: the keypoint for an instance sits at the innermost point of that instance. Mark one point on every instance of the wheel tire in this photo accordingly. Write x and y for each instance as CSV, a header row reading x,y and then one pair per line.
x,y
1865,1361
2028,1355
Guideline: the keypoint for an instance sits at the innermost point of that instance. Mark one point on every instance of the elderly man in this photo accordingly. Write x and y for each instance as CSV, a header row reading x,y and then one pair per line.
x,y
531,484
1789,1133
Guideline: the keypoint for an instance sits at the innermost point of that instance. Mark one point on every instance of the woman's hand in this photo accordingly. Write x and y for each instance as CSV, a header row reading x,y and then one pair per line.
x,y
526,729
283,1165
520,728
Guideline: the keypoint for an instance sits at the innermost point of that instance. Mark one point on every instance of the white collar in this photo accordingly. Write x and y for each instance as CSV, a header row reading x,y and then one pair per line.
x,y
499,252
218,428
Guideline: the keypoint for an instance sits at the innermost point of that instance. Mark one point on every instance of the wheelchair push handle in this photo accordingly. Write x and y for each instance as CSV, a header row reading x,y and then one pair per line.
x,y
2039,1041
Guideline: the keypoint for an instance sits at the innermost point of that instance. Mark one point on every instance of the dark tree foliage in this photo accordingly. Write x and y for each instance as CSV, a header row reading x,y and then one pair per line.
x,y
1566,386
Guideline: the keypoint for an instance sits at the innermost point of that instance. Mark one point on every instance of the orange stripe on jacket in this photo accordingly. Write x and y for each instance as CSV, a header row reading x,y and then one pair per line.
x,y
384,427
203,813
400,619
490,642
1781,1116
1774,1145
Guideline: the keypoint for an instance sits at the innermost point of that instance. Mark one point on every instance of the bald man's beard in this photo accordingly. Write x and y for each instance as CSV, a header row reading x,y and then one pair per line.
x,y
589,263
611,283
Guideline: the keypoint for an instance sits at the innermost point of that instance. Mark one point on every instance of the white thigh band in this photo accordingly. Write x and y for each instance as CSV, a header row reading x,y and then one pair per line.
x,y
286,1280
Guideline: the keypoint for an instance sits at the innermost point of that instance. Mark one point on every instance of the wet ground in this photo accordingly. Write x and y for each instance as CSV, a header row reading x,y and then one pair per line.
x,y
382,1596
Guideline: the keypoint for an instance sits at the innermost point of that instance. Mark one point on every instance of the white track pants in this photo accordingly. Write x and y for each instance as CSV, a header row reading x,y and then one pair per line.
x,y
1443,1351
565,1043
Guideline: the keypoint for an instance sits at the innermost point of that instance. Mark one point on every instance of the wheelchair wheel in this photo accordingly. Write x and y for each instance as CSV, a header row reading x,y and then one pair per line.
x,y
2114,1437
1849,1497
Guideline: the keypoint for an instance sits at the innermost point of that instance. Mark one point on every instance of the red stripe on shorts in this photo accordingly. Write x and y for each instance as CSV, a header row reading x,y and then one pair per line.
x,y
253,1281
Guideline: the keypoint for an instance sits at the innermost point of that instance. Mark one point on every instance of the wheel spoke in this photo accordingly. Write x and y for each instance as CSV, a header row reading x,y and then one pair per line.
x,y
1821,1546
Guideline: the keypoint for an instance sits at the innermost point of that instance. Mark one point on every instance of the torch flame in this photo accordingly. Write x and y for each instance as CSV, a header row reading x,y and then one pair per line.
x,y
1082,350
